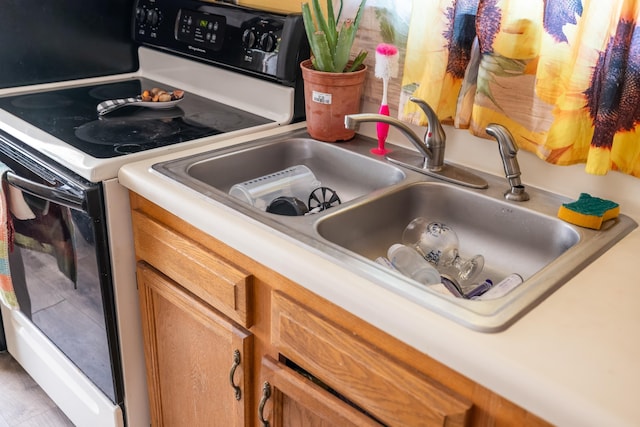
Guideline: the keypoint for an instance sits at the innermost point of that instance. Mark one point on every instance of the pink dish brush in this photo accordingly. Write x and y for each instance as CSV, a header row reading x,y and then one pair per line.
x,y
386,68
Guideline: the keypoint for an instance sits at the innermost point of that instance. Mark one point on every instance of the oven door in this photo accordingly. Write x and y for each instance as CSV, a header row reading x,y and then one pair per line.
x,y
60,265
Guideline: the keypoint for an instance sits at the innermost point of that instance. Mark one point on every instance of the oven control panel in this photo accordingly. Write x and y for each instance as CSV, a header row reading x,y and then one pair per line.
x,y
201,29
261,43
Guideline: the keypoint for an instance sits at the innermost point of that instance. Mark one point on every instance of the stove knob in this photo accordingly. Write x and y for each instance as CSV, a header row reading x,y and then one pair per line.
x,y
140,15
248,38
268,42
153,17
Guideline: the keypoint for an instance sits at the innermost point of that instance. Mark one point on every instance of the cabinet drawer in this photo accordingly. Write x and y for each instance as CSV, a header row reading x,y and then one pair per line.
x,y
296,400
390,391
221,284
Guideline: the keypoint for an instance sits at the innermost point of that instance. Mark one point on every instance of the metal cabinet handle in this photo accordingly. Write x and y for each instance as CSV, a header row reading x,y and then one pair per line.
x,y
236,363
266,394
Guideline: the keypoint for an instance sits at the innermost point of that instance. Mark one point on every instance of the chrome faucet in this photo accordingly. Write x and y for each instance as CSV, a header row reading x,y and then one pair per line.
x,y
431,147
508,151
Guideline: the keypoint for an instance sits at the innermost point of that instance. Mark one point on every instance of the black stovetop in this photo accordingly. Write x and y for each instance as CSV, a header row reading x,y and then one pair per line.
x,y
70,115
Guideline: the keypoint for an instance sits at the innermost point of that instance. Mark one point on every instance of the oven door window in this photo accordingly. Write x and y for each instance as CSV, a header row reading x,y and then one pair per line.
x,y
57,277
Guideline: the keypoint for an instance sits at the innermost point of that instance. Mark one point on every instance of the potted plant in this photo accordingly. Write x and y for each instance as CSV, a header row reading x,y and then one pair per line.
x,y
333,82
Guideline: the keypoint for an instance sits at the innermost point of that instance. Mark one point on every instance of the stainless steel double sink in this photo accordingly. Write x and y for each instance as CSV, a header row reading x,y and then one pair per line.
x,y
379,199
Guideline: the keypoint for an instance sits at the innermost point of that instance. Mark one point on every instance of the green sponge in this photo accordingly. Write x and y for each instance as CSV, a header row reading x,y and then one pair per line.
x,y
589,211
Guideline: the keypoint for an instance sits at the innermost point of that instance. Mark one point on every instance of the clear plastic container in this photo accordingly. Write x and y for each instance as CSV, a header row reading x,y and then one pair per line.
x,y
295,181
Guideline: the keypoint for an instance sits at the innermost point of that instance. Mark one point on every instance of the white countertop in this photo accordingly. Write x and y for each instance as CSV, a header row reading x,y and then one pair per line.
x,y
571,360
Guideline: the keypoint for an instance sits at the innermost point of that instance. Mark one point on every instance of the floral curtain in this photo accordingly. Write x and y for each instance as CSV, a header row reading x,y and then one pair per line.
x,y
562,75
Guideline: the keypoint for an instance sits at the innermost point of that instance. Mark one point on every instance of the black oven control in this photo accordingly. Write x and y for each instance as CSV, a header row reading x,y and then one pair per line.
x,y
262,34
261,43
147,20
153,17
200,29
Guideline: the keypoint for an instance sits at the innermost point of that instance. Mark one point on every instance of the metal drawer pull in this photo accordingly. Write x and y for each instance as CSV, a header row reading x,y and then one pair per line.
x,y
266,394
236,363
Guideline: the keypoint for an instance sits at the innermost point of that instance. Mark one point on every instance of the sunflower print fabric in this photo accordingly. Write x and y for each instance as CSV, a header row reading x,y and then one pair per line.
x,y
562,75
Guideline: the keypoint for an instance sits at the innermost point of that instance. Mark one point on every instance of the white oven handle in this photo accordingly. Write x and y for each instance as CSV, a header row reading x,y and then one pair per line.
x,y
61,194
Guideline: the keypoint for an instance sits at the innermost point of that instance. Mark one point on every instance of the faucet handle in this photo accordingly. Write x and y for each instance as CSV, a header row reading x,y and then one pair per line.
x,y
434,137
432,117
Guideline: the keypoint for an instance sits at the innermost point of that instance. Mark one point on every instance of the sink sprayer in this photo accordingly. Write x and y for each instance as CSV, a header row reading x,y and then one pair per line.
x,y
508,152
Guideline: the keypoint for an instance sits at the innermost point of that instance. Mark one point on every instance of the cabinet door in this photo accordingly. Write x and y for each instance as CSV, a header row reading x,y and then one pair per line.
x,y
196,370
290,399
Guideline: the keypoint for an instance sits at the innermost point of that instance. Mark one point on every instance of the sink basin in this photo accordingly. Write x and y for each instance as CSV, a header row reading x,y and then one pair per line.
x,y
349,173
523,238
379,199
511,238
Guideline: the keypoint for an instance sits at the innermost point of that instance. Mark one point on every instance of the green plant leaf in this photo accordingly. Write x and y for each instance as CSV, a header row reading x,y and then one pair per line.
x,y
331,47
358,61
309,27
331,23
359,14
343,48
323,26
324,61
339,11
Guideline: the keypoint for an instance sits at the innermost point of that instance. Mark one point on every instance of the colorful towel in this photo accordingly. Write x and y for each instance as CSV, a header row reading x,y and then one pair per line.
x,y
36,225
7,295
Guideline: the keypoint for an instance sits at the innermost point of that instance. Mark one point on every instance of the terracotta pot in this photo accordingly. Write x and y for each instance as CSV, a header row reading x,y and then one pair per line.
x,y
328,98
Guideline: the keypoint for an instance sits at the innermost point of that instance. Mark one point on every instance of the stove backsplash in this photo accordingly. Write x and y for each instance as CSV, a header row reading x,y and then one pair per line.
x,y
50,41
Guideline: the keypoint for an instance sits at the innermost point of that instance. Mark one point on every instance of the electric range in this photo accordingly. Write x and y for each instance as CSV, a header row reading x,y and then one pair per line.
x,y
70,115
238,67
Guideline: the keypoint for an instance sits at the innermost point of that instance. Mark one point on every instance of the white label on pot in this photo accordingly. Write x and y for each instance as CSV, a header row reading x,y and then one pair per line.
x,y
321,98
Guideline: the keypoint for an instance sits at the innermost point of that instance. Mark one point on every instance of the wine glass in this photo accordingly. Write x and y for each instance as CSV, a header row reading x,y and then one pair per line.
x,y
438,243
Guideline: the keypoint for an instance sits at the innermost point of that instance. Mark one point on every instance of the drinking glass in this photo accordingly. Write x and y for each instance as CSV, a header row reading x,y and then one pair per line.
x,y
438,243
410,263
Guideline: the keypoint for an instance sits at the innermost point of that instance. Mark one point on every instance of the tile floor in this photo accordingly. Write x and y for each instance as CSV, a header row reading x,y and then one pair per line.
x,y
22,402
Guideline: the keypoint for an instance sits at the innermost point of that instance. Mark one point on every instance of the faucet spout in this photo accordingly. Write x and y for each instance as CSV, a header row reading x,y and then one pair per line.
x,y
352,121
429,160
431,146
508,152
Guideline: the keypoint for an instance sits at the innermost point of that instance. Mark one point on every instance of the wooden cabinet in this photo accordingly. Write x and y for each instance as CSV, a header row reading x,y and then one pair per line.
x,y
195,310
304,361
194,357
